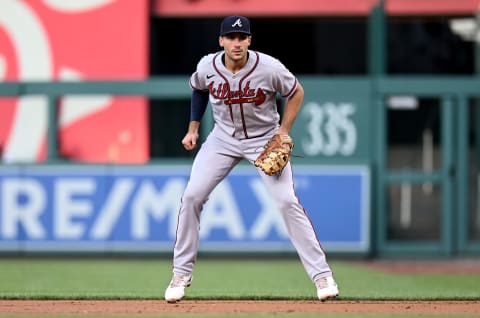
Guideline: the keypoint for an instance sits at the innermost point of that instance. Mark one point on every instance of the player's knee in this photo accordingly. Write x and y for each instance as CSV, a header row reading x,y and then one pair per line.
x,y
192,199
286,203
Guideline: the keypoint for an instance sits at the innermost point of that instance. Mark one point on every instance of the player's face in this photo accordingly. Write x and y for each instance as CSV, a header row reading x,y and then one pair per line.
x,y
235,45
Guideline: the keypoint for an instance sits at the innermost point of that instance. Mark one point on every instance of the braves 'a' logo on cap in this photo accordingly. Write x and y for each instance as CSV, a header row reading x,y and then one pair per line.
x,y
238,23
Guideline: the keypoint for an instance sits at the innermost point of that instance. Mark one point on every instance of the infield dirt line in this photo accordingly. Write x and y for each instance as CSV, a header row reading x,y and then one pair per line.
x,y
152,307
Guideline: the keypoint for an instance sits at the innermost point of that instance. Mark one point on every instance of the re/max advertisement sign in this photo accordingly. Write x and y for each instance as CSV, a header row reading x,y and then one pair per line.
x,y
127,209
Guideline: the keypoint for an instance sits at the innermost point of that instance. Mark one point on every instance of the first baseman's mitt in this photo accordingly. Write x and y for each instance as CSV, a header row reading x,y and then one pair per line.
x,y
276,154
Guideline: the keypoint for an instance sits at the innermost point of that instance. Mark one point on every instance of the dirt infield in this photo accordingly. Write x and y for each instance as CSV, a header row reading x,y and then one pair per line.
x,y
157,307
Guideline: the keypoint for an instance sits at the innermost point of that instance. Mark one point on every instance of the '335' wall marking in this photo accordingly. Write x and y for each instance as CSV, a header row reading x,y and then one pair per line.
x,y
330,129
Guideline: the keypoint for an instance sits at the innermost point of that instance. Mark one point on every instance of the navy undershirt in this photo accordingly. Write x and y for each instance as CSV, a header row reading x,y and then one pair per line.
x,y
198,104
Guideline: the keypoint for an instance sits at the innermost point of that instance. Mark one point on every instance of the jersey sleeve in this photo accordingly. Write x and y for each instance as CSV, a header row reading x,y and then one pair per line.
x,y
198,79
283,80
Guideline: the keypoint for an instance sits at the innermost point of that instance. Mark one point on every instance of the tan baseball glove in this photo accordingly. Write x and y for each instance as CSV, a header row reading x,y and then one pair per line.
x,y
276,154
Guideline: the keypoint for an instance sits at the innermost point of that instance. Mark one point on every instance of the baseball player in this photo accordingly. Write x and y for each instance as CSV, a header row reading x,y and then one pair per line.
x,y
241,86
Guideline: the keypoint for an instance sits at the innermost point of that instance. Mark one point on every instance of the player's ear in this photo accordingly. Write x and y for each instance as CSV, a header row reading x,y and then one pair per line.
x,y
220,41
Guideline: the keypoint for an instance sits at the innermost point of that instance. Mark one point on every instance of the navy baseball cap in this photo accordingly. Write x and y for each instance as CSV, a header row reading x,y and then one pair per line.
x,y
235,24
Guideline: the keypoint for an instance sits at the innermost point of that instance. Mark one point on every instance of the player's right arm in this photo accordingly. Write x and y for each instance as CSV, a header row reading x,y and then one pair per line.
x,y
199,101
189,142
198,105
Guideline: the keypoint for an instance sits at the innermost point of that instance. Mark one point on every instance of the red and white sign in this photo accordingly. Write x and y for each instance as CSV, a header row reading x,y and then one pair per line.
x,y
57,40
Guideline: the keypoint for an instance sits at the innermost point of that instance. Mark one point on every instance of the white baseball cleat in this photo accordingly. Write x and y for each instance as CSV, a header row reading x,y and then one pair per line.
x,y
326,288
176,289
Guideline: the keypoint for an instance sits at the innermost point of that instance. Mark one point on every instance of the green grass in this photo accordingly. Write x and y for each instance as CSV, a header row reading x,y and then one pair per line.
x,y
217,279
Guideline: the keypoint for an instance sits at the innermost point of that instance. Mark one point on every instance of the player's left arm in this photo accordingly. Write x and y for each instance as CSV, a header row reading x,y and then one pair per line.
x,y
291,109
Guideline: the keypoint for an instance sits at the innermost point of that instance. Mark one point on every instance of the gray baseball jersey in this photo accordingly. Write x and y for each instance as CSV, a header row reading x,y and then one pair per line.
x,y
246,116
244,104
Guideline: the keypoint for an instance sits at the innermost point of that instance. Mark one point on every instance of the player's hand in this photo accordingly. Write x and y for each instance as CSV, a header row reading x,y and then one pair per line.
x,y
189,142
